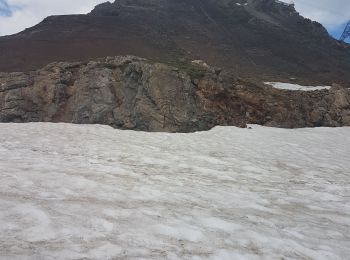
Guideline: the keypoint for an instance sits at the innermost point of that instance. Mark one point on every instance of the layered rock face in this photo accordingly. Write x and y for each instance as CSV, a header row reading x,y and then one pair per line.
x,y
133,93
261,39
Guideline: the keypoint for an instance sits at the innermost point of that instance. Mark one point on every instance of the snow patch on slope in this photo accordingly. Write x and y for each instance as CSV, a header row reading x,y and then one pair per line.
x,y
290,86
93,192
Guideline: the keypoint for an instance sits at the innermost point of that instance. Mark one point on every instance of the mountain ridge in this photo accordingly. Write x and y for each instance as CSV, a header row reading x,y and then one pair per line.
x,y
261,39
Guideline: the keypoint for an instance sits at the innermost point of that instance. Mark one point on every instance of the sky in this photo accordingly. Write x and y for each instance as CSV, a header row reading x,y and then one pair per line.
x,y
16,15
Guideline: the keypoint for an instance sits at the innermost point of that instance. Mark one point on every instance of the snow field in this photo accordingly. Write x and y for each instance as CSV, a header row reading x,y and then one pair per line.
x,y
295,87
93,192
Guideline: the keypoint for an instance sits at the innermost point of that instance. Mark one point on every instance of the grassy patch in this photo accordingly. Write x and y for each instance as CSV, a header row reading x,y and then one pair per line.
x,y
193,70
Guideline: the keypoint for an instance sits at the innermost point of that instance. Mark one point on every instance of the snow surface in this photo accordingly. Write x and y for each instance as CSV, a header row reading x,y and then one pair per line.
x,y
290,86
92,192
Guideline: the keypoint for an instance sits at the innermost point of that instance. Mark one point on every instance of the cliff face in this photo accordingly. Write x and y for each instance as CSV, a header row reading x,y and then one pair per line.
x,y
261,39
134,93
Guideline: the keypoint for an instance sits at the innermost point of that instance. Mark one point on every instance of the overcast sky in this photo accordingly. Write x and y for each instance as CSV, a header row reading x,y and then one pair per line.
x,y
16,15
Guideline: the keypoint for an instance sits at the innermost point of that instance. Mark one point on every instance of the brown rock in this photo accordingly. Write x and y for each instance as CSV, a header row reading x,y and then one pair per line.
x,y
133,93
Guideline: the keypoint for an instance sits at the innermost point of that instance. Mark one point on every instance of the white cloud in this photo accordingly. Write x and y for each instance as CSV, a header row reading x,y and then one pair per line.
x,y
27,13
331,13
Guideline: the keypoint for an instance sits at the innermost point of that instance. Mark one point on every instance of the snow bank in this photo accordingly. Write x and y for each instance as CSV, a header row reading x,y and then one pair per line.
x,y
92,192
289,86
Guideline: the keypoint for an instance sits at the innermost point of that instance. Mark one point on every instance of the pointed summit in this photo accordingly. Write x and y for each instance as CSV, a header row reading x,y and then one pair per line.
x,y
106,9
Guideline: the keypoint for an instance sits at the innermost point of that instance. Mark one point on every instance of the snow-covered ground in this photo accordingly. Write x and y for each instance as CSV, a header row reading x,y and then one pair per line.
x,y
92,192
290,86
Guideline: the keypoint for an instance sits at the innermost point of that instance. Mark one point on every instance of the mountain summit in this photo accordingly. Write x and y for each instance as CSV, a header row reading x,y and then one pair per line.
x,y
260,39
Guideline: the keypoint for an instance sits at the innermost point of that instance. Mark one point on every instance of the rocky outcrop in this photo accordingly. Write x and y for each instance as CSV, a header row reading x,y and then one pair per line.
x,y
133,93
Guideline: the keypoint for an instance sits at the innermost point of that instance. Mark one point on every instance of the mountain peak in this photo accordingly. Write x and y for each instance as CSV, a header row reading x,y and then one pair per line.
x,y
106,9
265,39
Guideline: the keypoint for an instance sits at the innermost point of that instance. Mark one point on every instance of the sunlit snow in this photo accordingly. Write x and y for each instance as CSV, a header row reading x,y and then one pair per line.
x,y
290,86
93,192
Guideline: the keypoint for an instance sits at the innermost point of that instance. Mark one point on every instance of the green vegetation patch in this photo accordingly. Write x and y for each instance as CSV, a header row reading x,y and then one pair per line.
x,y
193,70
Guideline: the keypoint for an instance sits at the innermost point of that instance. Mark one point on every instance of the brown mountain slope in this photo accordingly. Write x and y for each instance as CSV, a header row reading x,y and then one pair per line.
x,y
261,39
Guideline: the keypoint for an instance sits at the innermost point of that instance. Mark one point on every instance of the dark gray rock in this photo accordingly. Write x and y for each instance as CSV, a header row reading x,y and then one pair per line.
x,y
106,9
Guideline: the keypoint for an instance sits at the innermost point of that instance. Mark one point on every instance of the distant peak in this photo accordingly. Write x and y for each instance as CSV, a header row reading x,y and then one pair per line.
x,y
106,9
